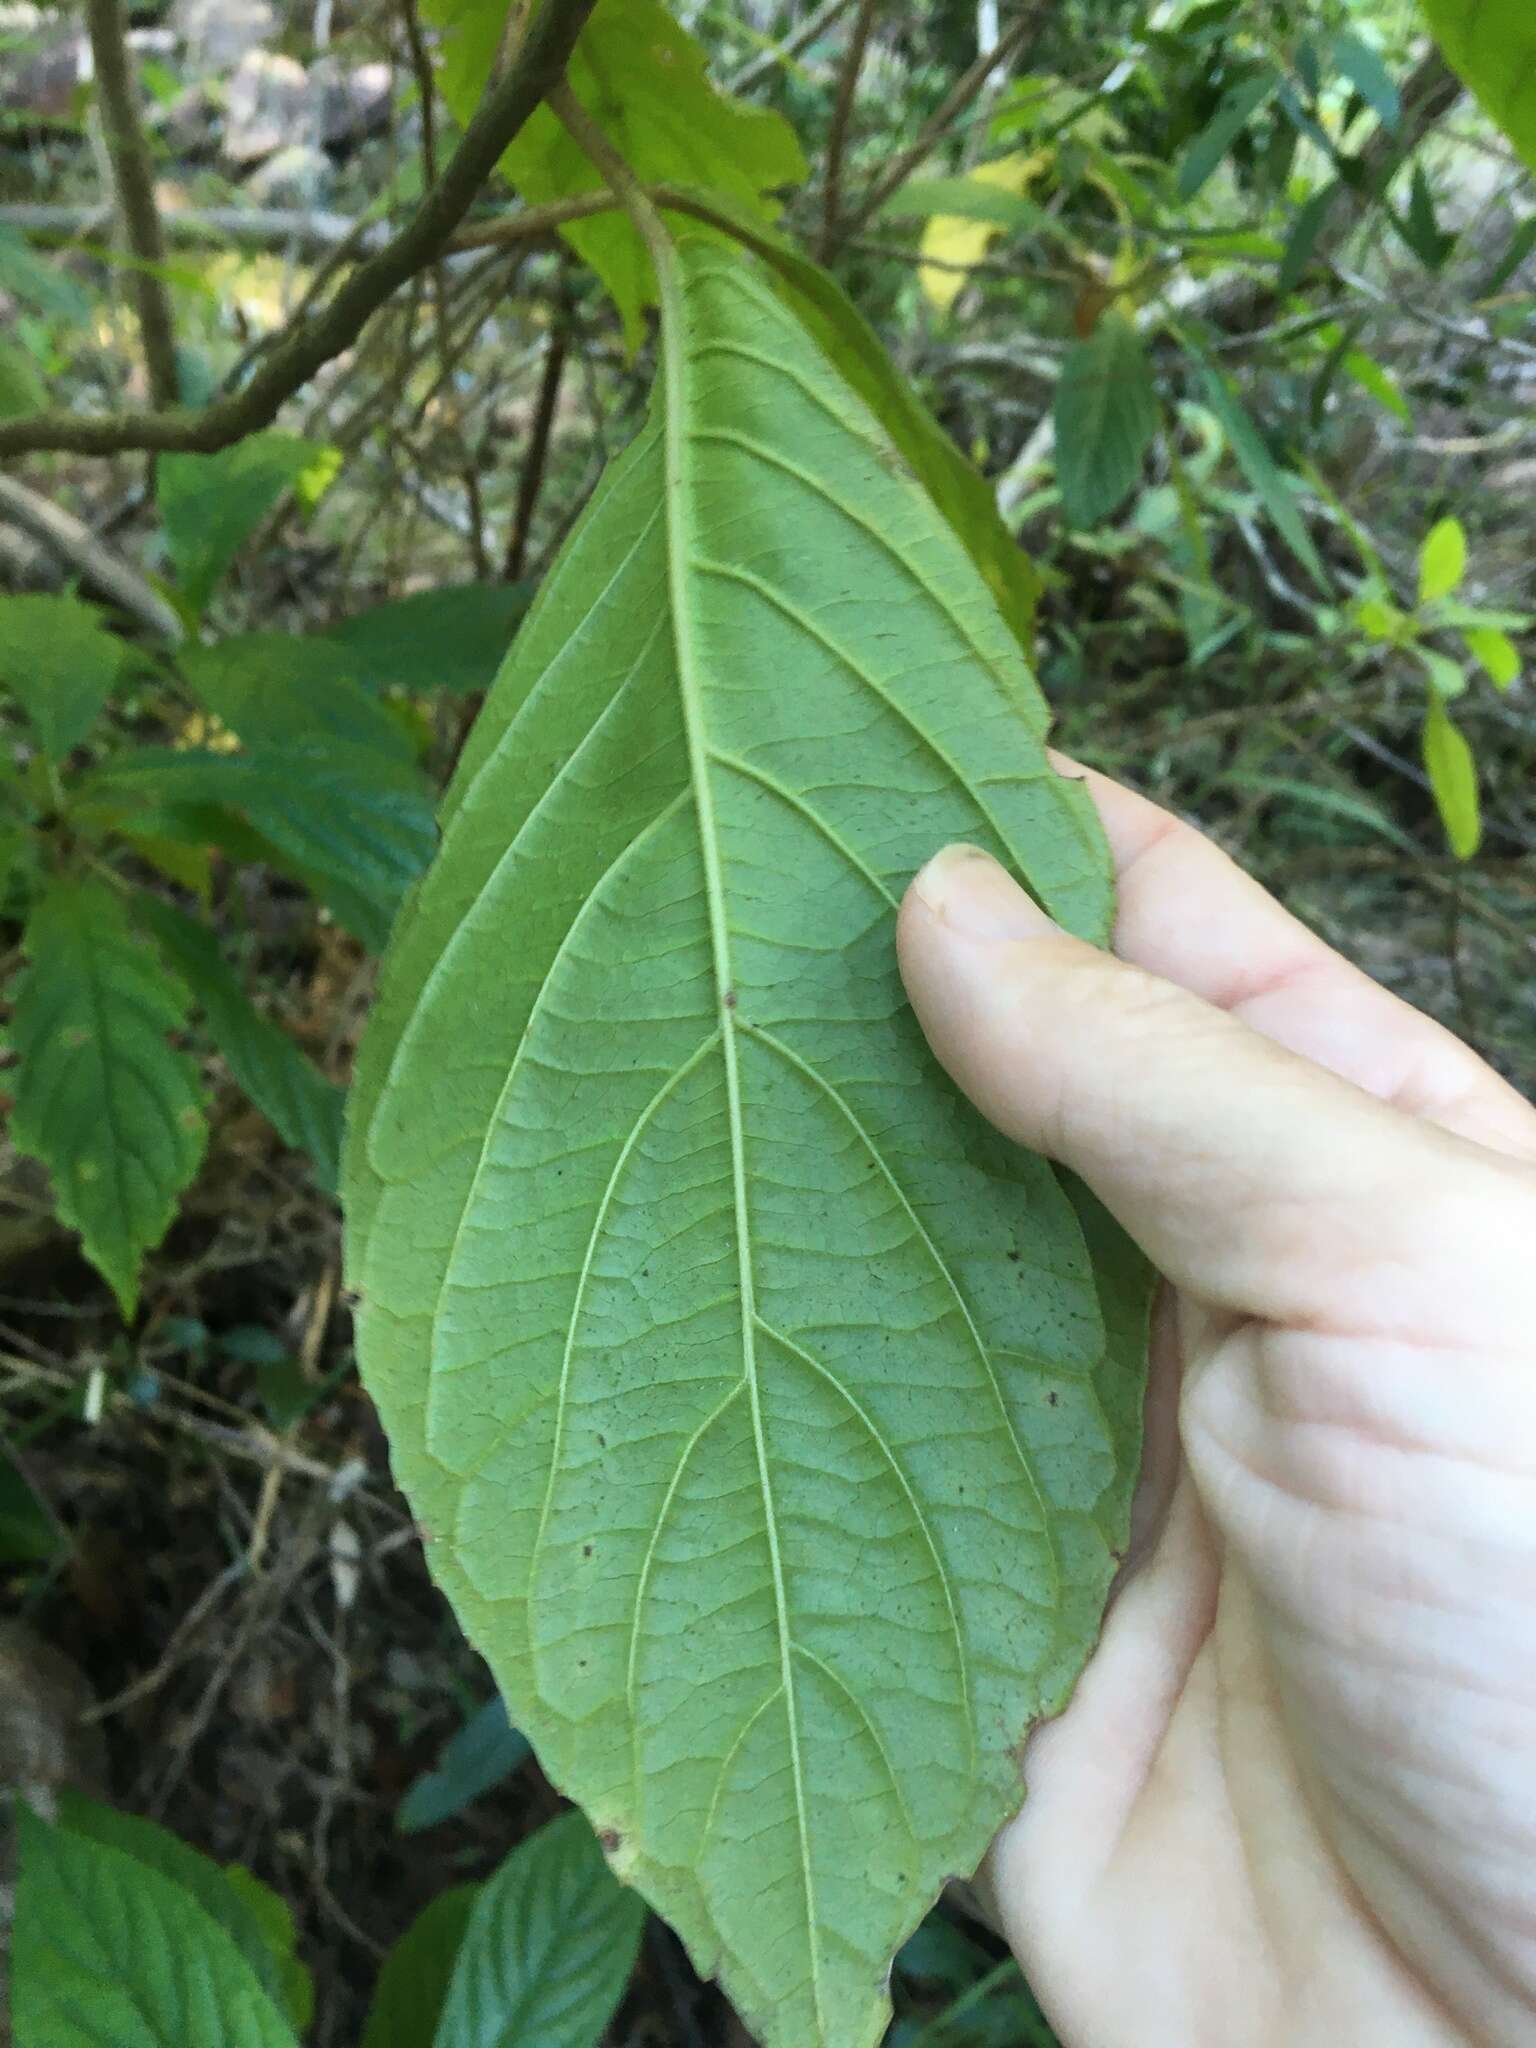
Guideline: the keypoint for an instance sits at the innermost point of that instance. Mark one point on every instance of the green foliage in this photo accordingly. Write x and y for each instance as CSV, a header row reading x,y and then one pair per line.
x,y
211,504
1453,778
486,1750
1442,560
102,1098
763,656
1105,417
1492,44
450,640
302,1106
549,1946
644,80
414,1980
111,1945
61,663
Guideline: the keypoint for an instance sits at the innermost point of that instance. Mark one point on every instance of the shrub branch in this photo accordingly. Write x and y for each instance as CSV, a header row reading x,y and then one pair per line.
x,y
317,340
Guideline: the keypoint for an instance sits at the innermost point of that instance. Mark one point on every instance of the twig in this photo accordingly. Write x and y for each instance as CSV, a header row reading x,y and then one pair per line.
x,y
960,96
781,53
99,570
531,479
837,140
326,334
129,152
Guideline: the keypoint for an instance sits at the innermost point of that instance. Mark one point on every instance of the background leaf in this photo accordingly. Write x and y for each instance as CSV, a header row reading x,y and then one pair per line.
x,y
277,688
548,1950
109,1948
1442,560
954,241
303,1107
764,657
1264,473
1236,110
101,1098
1106,416
349,822
484,1751
61,662
408,1998
451,640
211,504
1453,778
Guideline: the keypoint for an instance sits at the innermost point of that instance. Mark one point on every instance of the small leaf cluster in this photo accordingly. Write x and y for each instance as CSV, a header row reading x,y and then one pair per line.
x,y
125,1933
137,781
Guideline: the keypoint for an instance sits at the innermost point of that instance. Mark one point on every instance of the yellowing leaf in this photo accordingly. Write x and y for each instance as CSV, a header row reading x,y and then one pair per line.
x,y
1496,652
1442,560
952,245
1453,778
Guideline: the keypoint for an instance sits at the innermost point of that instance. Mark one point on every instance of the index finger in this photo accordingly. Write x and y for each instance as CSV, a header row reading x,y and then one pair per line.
x,y
1190,914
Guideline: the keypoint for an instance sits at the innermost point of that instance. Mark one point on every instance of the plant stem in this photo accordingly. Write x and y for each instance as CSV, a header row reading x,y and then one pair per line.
x,y
837,141
328,333
129,153
531,479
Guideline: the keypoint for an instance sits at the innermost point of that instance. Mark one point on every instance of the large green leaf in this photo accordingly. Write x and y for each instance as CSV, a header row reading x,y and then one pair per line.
x,y
775,1419
111,1952
956,486
645,80
1491,45
61,662
548,1950
303,1107
101,1098
1105,416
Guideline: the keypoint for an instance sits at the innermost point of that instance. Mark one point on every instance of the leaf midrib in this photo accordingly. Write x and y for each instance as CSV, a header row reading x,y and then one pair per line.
x,y
676,445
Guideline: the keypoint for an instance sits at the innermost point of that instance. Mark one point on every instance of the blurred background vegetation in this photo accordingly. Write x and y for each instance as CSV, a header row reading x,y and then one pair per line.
x,y
1232,306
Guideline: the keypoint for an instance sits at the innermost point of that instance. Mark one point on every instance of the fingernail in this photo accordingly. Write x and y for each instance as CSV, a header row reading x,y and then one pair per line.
x,y
970,892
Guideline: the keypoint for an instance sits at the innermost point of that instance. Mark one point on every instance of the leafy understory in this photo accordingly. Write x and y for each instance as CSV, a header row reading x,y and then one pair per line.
x,y
774,1420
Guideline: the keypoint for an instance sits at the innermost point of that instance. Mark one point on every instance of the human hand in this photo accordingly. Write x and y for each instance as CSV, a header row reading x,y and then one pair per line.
x,y
1293,1799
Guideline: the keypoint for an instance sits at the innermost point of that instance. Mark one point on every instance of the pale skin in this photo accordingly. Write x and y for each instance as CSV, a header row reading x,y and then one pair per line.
x,y
1293,1798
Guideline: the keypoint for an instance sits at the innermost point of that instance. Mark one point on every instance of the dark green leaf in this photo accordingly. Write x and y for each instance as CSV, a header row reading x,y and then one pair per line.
x,y
1105,416
211,504
29,1534
302,1106
485,1750
451,640
1237,109
967,199
110,1951
101,1099
1420,228
1302,239
1519,247
548,1950
408,1998
352,824
61,662
645,1144
1263,473
21,384
275,688
291,1986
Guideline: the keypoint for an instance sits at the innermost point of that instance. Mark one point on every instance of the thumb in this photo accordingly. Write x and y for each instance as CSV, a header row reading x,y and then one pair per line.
x,y
1262,1183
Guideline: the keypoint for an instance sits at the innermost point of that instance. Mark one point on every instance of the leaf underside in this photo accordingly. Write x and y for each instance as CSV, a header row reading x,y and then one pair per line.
x,y
774,1420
